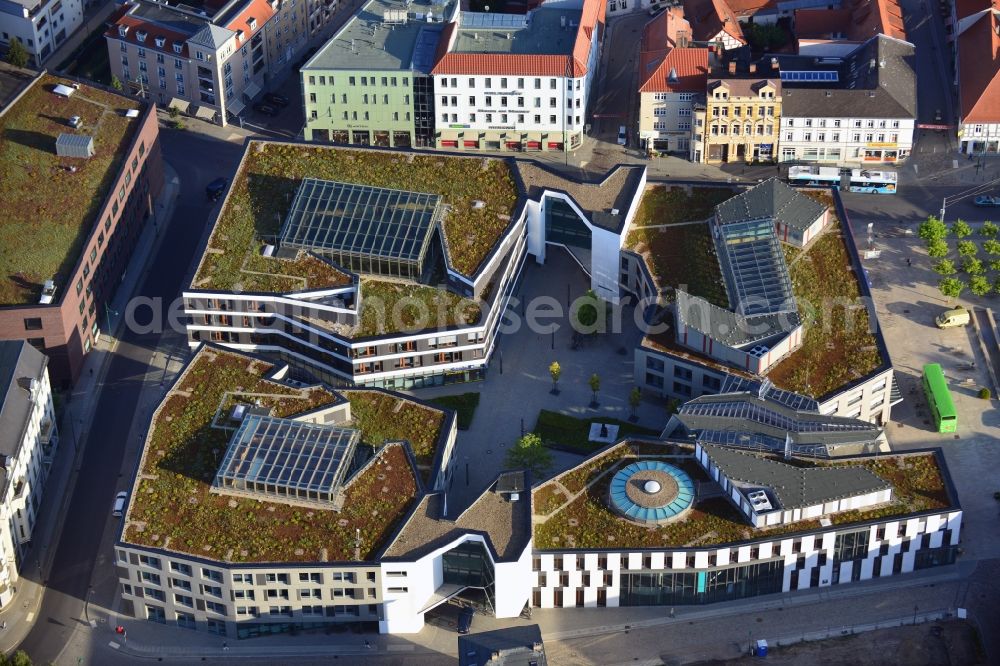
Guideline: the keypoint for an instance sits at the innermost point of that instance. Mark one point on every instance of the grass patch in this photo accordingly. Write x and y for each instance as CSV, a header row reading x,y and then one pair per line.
x,y
385,418
173,508
464,405
48,211
391,307
587,522
838,346
573,433
682,255
263,190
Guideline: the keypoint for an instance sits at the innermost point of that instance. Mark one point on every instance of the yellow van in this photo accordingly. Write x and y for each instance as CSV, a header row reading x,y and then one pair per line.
x,y
952,318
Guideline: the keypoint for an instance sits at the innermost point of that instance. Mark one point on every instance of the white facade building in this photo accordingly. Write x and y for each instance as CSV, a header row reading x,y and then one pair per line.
x,y
28,441
41,25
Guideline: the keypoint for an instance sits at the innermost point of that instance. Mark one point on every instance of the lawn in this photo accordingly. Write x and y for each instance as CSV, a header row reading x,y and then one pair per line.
x,y
568,432
838,346
464,405
48,210
392,307
382,418
588,523
271,173
173,508
680,255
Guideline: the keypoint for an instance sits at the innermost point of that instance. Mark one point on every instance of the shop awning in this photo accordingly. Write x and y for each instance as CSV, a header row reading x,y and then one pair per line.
x,y
205,112
181,105
236,107
251,91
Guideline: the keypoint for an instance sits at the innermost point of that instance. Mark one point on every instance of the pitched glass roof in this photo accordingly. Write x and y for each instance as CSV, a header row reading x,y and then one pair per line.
x,y
757,274
750,411
286,460
359,220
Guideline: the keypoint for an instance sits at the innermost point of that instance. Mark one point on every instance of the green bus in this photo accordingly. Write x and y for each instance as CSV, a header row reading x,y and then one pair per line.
x,y
939,399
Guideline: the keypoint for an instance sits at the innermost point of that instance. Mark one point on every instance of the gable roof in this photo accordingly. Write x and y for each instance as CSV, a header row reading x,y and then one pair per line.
x,y
822,23
772,199
710,17
19,364
874,17
979,70
676,70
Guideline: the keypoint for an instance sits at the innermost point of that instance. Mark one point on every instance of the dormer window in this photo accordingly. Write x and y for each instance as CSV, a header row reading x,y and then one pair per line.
x,y
178,47
252,22
140,36
160,41
240,36
122,30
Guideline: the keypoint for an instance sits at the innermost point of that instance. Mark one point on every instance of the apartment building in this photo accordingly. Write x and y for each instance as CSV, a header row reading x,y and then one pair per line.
x,y
672,81
370,85
713,21
741,118
28,443
856,110
42,26
977,30
58,299
518,82
211,62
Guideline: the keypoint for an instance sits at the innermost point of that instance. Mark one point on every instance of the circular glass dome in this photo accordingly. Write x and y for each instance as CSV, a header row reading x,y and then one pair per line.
x,y
651,492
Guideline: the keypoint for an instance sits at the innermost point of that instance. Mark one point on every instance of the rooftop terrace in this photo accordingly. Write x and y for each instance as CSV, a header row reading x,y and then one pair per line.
x,y
172,508
271,172
48,210
572,512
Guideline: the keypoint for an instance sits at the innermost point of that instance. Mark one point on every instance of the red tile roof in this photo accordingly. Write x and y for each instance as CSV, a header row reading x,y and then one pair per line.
x,y
710,17
873,17
821,23
572,65
152,30
979,70
966,8
690,65
747,8
258,9
665,31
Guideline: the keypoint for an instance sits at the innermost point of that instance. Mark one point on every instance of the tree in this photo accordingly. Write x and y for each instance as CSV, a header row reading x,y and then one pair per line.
x,y
960,229
555,371
116,83
996,285
973,266
937,248
634,400
989,230
995,265
765,36
945,267
951,287
595,386
992,246
967,248
174,112
17,55
932,229
984,393
586,312
19,658
529,453
979,285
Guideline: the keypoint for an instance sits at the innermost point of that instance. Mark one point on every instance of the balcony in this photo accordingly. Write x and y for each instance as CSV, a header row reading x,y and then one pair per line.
x,y
48,428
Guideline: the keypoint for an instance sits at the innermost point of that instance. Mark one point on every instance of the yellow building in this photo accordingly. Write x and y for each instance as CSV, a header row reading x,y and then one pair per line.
x,y
740,120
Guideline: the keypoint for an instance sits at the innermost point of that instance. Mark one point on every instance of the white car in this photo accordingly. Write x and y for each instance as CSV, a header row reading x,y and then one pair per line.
x,y
75,121
622,136
120,500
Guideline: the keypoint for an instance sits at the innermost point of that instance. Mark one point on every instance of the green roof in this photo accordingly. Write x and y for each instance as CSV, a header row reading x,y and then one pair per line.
x,y
48,211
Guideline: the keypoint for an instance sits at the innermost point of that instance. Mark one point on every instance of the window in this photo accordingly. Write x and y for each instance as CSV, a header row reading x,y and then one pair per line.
x,y
311,578
213,590
211,574
215,607
243,578
183,600
33,323
148,577
180,584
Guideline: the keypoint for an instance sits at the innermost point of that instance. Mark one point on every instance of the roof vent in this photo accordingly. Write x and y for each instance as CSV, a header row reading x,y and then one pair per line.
x,y
562,22
672,76
881,63
478,204
829,94
871,64
871,93
48,292
614,211
507,35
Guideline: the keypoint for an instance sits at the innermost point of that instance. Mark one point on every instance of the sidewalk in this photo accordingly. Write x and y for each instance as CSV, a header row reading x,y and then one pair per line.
x,y
93,19
19,615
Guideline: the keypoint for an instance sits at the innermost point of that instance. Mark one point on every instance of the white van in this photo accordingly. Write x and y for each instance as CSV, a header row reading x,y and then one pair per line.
x,y
622,136
952,318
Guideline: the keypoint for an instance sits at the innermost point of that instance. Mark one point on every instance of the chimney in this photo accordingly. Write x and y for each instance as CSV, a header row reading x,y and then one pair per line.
x,y
753,68
732,66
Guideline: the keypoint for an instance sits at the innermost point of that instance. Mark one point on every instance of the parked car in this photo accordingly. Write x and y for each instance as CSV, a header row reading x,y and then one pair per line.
x,y
985,201
622,136
465,620
75,121
274,99
119,509
216,188
266,109
953,318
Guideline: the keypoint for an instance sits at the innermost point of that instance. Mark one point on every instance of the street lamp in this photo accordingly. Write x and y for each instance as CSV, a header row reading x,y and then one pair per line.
x,y
107,314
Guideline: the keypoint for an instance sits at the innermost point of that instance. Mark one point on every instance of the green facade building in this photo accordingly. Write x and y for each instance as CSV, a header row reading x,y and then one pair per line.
x,y
370,84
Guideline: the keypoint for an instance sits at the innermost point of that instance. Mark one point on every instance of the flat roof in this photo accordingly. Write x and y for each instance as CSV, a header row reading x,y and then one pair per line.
x,y
383,35
286,460
544,31
361,220
49,211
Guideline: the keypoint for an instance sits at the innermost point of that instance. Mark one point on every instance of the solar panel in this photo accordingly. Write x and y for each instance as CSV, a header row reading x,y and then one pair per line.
x,y
826,76
286,460
370,229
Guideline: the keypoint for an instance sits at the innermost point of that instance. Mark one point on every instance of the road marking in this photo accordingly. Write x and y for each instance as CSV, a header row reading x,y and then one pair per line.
x,y
30,617
400,648
954,164
113,645
93,624
915,169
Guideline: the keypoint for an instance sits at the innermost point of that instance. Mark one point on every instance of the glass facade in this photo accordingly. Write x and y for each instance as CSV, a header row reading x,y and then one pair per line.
x,y
564,226
659,588
469,564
